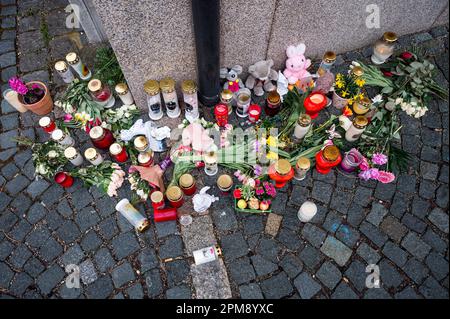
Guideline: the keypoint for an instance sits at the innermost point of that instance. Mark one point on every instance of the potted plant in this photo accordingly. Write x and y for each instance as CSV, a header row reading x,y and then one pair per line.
x,y
33,95
347,90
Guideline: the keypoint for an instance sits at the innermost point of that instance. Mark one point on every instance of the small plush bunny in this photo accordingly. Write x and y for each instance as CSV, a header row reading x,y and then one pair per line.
x,y
296,64
233,83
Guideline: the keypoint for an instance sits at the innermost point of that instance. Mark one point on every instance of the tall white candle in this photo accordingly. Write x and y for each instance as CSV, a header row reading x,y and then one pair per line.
x,y
133,216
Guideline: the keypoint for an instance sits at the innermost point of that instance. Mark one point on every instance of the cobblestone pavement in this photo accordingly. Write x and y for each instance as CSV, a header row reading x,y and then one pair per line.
x,y
401,227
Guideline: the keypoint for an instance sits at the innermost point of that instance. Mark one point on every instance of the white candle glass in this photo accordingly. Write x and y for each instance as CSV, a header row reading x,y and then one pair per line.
x,y
307,211
132,215
12,97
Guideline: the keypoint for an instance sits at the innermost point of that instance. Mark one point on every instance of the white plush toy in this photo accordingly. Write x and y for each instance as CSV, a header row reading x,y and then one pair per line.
x,y
155,135
203,201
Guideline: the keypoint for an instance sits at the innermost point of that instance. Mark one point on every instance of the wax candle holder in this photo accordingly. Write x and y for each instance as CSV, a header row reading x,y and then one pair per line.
x,y
139,222
47,124
73,156
358,127
301,168
384,48
64,72
118,152
327,63
351,161
187,184
244,98
62,138
302,126
93,156
167,86
165,214
175,196
102,138
190,99
64,179
314,103
75,62
328,158
273,103
151,87
221,114
225,183
226,97
141,143
157,199
254,112
281,172
307,211
101,93
146,159
211,167
124,93
12,97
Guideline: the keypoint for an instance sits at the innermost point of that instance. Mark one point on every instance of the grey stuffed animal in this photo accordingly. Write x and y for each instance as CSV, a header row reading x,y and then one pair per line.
x,y
261,77
233,83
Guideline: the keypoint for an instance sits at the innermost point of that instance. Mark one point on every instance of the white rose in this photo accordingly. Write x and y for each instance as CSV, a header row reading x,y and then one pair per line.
x,y
398,101
410,110
52,154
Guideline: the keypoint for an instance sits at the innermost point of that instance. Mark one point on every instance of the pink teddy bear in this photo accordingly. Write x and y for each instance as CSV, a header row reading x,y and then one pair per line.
x,y
296,64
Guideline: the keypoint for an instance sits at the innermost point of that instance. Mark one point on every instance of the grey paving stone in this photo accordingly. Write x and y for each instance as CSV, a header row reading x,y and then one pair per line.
x,y
86,218
336,250
124,224
431,289
68,232
36,213
377,293
135,291
7,275
333,221
19,256
7,59
433,239
416,246
277,286
416,270
356,273
88,273
363,196
53,195
311,257
8,73
393,228
420,207
389,276
329,275
407,184
103,260
291,265
370,255
252,225
374,235
397,255
241,271
427,189
340,201
9,170
385,192
100,289
179,292
6,247
20,230
106,206
438,265
154,283
431,138
16,185
224,219
50,250
148,259
263,266
37,187
166,228
124,245
72,256
64,208
430,154
355,214
299,195
53,220
38,236
348,235
306,286
376,214
69,293
439,219
49,279
29,62
90,241
442,196
250,291
34,267
234,246
322,192
177,272
289,239
407,293
122,274
7,219
20,283
414,223
9,121
279,203
171,247
81,198
313,234
343,291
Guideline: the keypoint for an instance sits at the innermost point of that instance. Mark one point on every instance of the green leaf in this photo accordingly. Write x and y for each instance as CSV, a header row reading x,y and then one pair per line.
x,y
387,90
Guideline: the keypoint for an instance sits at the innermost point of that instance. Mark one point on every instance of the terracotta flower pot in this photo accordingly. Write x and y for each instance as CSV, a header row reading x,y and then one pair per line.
x,y
339,102
44,105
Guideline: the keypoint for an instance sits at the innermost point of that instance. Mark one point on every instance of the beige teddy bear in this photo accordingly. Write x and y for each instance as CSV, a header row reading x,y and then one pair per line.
x,y
261,77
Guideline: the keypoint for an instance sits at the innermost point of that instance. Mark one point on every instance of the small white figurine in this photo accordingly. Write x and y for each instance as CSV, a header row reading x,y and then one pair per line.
x,y
203,201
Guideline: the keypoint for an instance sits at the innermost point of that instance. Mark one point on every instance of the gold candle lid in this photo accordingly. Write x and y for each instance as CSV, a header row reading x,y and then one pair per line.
x,y
358,71
70,153
188,87
72,58
283,167
365,101
90,153
61,66
94,85
210,158
226,94
140,142
304,120
115,148
360,121
58,135
143,226
121,89
329,56
390,37
167,85
151,87
274,97
44,121
157,197
331,153
224,181
145,157
186,180
96,132
303,163
174,193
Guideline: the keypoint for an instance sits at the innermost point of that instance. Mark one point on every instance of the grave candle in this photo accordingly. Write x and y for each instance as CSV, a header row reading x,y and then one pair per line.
x,y
307,211
75,62
139,222
47,124
73,156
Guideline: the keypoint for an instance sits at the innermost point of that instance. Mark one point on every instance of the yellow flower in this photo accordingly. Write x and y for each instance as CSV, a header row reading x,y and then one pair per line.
x,y
344,93
350,102
339,77
340,84
272,156
360,82
272,141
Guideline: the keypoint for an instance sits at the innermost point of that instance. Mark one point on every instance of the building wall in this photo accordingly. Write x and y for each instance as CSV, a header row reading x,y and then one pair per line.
x,y
154,38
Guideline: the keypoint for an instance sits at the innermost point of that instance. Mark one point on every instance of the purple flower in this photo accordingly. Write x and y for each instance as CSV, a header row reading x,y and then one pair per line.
x,y
374,173
17,85
379,159
365,175
257,170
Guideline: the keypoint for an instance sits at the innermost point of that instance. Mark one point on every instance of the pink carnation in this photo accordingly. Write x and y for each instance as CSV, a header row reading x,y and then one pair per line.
x,y
365,175
379,159
364,166
374,173
385,177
